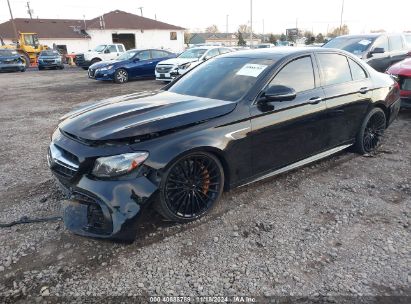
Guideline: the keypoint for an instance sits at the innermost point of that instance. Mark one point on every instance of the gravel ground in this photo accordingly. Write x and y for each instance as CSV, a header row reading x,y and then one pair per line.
x,y
340,227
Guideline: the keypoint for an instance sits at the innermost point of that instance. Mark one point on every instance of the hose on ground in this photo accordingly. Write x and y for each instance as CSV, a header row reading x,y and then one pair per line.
x,y
27,220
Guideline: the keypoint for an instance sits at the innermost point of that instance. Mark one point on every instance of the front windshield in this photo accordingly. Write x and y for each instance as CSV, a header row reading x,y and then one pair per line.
x,y
7,53
408,39
262,46
127,55
49,53
194,53
353,45
100,48
231,78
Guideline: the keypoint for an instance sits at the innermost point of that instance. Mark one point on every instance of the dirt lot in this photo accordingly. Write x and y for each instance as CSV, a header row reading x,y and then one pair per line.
x,y
338,227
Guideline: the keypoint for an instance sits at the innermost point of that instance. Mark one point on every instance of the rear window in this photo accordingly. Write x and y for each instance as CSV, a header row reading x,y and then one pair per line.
x,y
355,45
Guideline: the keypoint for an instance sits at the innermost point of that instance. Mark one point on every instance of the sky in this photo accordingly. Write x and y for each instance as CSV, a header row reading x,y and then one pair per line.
x,y
269,16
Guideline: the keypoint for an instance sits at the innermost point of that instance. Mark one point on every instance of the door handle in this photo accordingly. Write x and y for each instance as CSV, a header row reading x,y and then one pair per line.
x,y
315,100
363,90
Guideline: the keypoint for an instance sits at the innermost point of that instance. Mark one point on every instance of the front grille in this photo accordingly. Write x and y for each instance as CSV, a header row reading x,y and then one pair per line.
x,y
80,59
62,162
48,61
163,68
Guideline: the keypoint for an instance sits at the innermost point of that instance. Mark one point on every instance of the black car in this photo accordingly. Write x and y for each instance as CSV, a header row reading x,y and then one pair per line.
x,y
379,50
50,59
11,61
263,112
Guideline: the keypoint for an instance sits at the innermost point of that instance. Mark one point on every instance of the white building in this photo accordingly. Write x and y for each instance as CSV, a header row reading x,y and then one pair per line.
x,y
73,36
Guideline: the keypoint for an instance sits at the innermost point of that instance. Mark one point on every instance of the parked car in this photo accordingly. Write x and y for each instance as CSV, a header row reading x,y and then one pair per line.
x,y
130,65
261,113
169,69
11,61
99,53
402,72
50,59
379,50
265,46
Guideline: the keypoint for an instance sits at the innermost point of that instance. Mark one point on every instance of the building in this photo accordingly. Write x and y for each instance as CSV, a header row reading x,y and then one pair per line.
x,y
117,26
227,39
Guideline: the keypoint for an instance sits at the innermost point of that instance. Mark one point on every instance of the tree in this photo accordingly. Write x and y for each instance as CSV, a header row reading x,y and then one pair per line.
x,y
309,37
187,37
338,32
283,37
244,28
241,41
272,39
378,31
319,38
212,29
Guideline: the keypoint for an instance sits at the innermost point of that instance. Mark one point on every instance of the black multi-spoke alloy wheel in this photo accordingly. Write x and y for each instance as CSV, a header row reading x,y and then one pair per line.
x,y
121,76
372,130
190,187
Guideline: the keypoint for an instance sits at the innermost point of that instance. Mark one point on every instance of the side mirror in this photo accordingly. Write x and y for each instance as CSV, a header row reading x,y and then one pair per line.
x,y
279,93
107,51
136,59
378,50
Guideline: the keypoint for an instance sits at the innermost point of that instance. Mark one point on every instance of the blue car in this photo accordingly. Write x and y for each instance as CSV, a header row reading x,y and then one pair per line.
x,y
10,61
130,65
50,59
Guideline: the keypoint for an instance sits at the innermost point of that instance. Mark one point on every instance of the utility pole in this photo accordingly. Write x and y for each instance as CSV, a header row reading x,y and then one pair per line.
x,y
141,10
263,32
341,19
251,23
12,21
29,10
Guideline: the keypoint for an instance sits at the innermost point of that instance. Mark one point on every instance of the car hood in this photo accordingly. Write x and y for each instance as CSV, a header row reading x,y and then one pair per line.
x,y
104,63
401,68
178,61
141,114
49,57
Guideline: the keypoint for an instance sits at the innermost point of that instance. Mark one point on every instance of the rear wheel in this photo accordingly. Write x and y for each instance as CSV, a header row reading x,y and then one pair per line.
x,y
95,60
121,76
190,187
371,132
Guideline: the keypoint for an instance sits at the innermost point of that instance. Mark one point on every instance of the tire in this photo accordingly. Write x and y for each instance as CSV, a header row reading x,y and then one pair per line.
x,y
26,60
23,70
94,61
371,132
85,68
190,187
120,76
62,67
41,68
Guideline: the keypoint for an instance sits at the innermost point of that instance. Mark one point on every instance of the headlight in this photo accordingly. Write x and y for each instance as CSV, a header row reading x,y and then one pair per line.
x,y
184,66
106,68
119,164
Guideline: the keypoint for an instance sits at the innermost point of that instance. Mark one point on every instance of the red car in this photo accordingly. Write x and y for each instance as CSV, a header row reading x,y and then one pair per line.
x,y
402,70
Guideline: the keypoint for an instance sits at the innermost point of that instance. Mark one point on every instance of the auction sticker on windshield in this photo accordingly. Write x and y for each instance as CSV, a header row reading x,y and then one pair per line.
x,y
252,70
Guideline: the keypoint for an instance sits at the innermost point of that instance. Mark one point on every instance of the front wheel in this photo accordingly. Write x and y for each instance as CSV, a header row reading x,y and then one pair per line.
x,y
190,187
121,76
371,132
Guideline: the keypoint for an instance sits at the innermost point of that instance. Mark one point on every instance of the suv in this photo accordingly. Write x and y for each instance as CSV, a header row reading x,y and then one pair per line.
x,y
169,69
379,50
99,53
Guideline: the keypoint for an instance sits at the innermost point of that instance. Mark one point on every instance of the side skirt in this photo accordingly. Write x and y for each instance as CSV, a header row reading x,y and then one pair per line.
x,y
300,163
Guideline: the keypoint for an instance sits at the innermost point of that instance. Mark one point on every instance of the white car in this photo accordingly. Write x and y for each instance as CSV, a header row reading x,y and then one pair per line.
x,y
101,52
169,69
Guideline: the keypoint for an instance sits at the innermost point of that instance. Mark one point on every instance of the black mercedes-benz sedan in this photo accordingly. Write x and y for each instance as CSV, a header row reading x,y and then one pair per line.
x,y
232,120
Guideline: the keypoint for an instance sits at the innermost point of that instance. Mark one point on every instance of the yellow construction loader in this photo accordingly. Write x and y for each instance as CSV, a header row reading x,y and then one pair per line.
x,y
27,46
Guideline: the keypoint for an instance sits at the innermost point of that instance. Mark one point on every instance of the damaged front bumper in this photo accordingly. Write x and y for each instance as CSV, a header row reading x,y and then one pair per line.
x,y
96,207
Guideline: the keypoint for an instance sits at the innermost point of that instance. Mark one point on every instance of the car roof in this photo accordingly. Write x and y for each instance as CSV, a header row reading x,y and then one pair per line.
x,y
208,47
274,53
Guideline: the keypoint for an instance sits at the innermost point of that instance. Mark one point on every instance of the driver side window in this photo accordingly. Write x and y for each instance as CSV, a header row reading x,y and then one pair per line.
x,y
112,49
212,53
297,74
